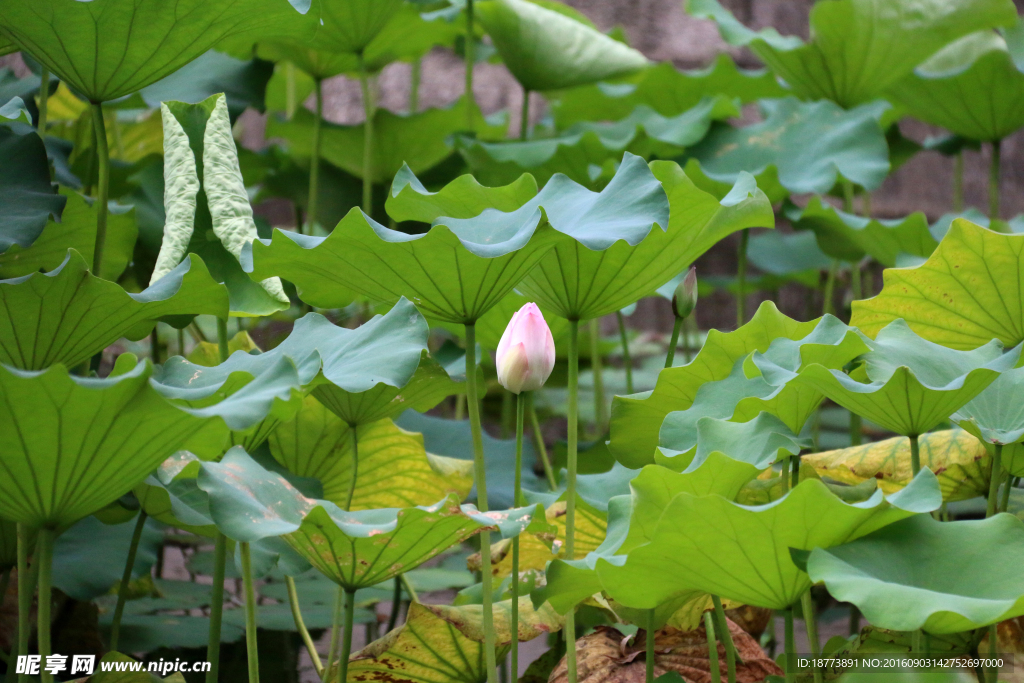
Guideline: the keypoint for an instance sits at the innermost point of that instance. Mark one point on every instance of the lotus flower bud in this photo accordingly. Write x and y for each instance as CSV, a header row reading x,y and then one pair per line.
x,y
526,352
685,298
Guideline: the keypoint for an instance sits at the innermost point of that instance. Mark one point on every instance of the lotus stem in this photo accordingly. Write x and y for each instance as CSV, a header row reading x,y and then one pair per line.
x,y
811,622
915,641
994,480
627,360
470,47
993,181
126,577
649,647
480,472
993,652
709,630
44,556
848,193
290,97
524,117
570,507
26,587
958,182
222,339
409,590
794,472
460,407
732,656
300,625
346,642
396,603
314,161
355,468
103,187
854,621
415,74
597,369
670,356
251,647
336,627
790,647
1011,481
741,278
915,455
521,400
220,551
827,303
542,449
368,106
44,97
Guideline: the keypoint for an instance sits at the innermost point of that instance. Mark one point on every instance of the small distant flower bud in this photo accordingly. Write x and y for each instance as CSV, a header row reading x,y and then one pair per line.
x,y
685,298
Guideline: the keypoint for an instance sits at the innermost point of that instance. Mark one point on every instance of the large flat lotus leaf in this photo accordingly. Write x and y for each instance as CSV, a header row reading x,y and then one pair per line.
x,y
911,576
710,544
170,495
995,415
972,87
587,151
958,460
913,384
860,47
353,549
808,145
849,237
961,297
76,230
243,82
27,199
67,315
794,256
758,442
88,558
71,445
419,140
722,383
547,50
594,275
664,89
351,26
105,50
439,644
395,470
464,197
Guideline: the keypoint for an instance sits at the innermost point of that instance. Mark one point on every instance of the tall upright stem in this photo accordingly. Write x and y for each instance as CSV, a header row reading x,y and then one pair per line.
x,y
336,628
470,60
994,480
300,625
915,455
346,642
597,369
673,342
709,631
827,303
516,495
725,635
811,622
524,117
958,182
473,403
790,648
741,278
396,603
251,649
220,552
314,160
222,339
627,359
542,449
26,586
1004,505
126,577
649,647
856,289
993,180
570,508
102,189
355,467
44,556
291,99
414,85
368,107
44,97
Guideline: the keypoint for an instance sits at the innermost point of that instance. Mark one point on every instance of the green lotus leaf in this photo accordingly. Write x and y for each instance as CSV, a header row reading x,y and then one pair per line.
x,y
353,549
859,48
720,383
243,82
595,275
67,315
757,442
201,163
6,46
807,145
913,384
76,230
910,575
791,257
587,151
546,50
170,495
27,198
958,297
995,415
664,89
464,197
101,438
971,87
88,558
348,27
419,140
742,553
849,237
111,49
395,470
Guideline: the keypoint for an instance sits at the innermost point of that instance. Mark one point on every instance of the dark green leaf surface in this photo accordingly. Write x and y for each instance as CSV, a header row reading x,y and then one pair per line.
x,y
27,199
88,558
464,197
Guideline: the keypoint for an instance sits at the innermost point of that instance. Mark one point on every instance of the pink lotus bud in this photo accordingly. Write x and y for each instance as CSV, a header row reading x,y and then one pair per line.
x,y
526,352
685,298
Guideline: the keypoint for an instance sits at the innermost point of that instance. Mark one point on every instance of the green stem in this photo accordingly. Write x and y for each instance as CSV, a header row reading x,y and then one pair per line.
x,y
473,403
516,496
409,590
732,656
993,180
570,507
103,187
993,652
790,648
709,630
741,278
355,468
470,48
854,627
1005,504
597,369
44,97
252,653
827,305
649,647
786,465
915,641
220,552
396,603
346,642
542,449
126,577
290,96
314,161
336,627
627,360
847,196
414,85
44,556
811,622
670,356
300,625
958,182
524,117
364,85
915,455
994,480
222,339
794,474
26,587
